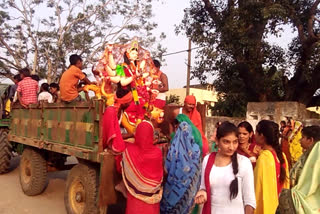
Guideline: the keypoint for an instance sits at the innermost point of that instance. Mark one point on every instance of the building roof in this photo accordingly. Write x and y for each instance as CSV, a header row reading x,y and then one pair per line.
x,y
201,86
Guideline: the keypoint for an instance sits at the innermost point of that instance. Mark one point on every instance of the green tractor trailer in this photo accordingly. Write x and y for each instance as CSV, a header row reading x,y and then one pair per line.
x,y
45,135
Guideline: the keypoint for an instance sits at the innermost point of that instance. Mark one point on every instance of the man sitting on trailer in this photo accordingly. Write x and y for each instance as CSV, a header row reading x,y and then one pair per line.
x,y
27,89
70,79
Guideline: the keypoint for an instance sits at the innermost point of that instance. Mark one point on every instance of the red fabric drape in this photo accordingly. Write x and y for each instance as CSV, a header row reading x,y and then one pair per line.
x,y
111,134
146,157
135,206
278,166
207,206
145,160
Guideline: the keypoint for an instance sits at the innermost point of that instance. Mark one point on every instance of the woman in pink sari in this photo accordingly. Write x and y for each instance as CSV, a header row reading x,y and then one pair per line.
x,y
142,172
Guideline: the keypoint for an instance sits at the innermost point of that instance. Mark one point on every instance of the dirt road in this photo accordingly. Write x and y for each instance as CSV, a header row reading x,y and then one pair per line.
x,y
13,200
51,201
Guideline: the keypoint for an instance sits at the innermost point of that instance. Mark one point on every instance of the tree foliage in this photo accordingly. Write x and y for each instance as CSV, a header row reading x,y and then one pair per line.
x,y
41,34
235,49
173,99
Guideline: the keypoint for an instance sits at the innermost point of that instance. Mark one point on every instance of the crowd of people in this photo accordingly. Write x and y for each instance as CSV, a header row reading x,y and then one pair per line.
x,y
26,91
243,172
239,171
26,88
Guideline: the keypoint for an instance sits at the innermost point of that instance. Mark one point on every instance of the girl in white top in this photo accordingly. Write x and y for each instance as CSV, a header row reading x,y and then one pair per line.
x,y
44,93
229,176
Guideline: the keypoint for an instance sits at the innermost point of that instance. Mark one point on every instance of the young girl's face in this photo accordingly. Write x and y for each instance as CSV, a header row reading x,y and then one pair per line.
x,y
228,144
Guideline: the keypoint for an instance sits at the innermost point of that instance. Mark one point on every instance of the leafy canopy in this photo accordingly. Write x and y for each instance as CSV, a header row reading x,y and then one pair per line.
x,y
236,50
41,34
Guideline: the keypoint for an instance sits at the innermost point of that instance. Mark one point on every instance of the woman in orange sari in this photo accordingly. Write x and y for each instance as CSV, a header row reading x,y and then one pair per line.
x,y
142,172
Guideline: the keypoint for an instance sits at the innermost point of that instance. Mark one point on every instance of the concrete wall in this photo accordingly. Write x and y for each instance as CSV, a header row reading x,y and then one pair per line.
x,y
275,111
256,111
212,121
278,111
309,122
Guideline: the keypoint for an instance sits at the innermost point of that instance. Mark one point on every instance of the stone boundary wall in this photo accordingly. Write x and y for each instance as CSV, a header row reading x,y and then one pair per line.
x,y
256,111
212,121
278,111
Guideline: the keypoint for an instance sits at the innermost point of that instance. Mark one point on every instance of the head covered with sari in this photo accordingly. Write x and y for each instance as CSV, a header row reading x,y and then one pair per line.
x,y
126,99
195,117
190,99
194,114
183,167
142,168
195,132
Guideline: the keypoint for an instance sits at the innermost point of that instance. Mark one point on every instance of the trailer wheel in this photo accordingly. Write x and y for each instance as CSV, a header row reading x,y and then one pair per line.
x,y
81,191
33,172
5,151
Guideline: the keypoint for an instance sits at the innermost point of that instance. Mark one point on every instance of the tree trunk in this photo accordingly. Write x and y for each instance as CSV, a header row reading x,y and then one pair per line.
x,y
50,74
35,61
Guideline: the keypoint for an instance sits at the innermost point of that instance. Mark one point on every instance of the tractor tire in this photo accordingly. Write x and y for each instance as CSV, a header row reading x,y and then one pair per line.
x,y
5,151
33,172
81,193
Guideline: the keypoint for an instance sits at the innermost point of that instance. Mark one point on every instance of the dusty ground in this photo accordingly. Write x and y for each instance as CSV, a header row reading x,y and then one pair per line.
x,y
13,200
51,201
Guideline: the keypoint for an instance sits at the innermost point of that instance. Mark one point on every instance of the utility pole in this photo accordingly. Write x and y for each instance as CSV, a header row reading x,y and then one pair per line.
x,y
188,68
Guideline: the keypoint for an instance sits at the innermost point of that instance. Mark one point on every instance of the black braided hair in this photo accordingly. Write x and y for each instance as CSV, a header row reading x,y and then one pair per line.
x,y
270,131
223,130
234,184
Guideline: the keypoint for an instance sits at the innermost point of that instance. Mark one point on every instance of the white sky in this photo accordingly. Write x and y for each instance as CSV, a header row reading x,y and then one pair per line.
x,y
169,13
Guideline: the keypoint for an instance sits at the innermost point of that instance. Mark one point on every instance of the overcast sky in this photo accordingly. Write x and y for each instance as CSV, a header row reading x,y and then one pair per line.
x,y
170,13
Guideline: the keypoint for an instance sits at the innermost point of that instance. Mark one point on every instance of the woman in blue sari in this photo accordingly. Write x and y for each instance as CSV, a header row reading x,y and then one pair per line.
x,y
183,165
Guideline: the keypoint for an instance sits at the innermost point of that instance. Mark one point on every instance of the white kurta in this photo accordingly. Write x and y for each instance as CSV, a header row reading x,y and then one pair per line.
x,y
220,179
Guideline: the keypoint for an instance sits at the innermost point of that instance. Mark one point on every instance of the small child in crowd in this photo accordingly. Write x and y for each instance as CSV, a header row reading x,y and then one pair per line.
x,y
54,90
44,93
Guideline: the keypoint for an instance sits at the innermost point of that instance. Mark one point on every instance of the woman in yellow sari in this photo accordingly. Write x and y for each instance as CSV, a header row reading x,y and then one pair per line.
x,y
271,171
294,143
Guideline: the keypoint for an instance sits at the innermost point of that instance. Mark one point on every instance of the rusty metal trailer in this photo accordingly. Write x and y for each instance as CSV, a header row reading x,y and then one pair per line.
x,y
45,135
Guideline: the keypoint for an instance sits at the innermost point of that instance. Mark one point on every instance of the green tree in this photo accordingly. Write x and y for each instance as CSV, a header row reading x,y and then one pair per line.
x,y
173,99
304,51
235,49
41,34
